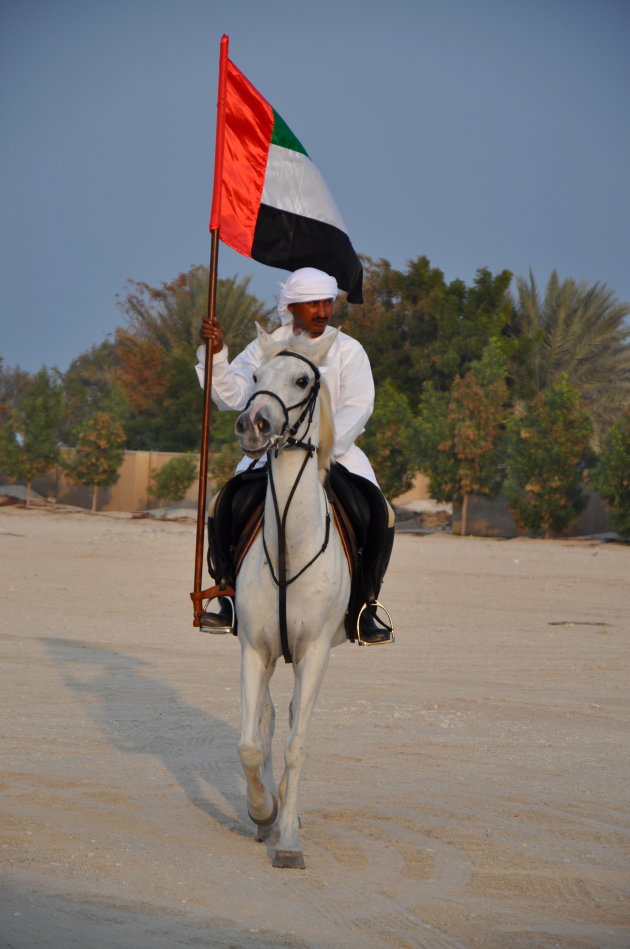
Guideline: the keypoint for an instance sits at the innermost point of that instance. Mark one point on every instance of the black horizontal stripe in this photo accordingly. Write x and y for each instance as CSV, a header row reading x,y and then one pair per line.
x,y
291,241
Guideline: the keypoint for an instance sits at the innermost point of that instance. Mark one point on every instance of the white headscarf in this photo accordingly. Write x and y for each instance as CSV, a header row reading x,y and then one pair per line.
x,y
304,285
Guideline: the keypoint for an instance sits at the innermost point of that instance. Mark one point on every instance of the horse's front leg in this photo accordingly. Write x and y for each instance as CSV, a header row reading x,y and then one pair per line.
x,y
257,732
267,729
309,673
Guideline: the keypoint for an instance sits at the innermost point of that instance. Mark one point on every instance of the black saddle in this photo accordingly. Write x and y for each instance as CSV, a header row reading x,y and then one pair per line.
x,y
236,505
368,513
361,509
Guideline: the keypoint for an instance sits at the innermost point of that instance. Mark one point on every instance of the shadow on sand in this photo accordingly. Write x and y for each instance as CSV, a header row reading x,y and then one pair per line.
x,y
141,715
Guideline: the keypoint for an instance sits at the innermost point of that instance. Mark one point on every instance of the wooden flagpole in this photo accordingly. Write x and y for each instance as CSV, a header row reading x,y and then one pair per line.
x,y
198,594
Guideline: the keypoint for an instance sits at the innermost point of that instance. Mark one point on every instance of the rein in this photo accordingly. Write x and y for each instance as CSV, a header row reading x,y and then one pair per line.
x,y
287,439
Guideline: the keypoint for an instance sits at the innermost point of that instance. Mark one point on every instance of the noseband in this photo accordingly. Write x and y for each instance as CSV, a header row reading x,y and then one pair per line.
x,y
286,438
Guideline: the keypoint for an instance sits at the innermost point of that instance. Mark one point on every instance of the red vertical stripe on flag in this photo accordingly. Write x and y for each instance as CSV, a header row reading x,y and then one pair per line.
x,y
244,130
215,213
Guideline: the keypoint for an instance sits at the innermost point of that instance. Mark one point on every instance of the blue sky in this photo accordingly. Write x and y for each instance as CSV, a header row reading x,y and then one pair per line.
x,y
490,134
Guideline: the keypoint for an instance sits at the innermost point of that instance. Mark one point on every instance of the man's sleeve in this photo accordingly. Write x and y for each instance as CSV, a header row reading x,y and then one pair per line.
x,y
231,382
356,401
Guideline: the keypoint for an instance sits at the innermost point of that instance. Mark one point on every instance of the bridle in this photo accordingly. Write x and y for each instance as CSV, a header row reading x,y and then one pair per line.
x,y
286,440
286,437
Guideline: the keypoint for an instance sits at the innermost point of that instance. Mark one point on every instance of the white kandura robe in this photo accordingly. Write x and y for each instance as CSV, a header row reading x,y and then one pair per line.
x,y
348,376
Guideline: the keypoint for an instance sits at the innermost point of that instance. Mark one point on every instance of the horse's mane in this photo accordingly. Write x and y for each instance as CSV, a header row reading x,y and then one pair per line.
x,y
302,345
326,429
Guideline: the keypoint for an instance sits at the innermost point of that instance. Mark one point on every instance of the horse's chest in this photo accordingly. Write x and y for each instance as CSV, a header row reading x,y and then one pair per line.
x,y
323,588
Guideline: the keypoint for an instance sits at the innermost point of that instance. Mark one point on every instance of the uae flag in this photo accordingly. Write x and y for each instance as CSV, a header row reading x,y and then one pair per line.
x,y
269,200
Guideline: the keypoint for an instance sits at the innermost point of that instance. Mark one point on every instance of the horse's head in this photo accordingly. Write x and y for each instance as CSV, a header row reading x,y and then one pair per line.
x,y
284,407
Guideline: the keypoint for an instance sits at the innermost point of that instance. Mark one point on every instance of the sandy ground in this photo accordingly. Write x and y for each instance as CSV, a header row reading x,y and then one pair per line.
x,y
467,787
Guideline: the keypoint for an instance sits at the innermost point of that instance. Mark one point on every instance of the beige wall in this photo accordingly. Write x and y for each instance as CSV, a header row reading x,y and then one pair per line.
x,y
131,491
419,491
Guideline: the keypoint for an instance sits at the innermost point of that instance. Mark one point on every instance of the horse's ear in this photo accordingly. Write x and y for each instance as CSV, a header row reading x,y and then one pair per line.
x,y
265,341
318,350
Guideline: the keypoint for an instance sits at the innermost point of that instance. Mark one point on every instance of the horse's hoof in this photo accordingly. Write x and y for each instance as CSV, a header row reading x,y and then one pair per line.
x,y
268,821
289,860
263,834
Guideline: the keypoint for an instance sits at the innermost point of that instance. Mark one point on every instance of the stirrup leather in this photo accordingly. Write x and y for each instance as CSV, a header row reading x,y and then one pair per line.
x,y
389,626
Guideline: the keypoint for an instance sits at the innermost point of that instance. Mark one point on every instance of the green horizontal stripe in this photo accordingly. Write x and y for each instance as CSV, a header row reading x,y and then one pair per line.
x,y
282,135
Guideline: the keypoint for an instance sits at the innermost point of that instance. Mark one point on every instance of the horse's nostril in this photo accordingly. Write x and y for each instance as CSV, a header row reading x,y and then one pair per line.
x,y
240,425
262,424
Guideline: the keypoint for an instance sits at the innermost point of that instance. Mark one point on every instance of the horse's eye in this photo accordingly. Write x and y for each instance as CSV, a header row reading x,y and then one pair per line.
x,y
302,382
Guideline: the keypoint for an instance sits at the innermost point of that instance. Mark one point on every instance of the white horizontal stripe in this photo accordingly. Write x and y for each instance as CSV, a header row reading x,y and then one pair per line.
x,y
293,183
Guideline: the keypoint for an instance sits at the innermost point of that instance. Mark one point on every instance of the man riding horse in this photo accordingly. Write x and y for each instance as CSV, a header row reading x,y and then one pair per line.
x,y
305,306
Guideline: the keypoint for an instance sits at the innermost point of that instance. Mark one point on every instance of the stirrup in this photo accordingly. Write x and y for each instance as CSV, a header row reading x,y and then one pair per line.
x,y
206,625
388,626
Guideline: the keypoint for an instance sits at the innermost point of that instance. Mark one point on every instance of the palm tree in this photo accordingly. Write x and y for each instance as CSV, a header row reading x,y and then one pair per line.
x,y
170,316
155,353
582,332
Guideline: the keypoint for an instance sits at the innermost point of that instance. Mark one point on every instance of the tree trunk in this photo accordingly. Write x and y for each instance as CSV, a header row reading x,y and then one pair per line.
x,y
94,497
28,493
464,522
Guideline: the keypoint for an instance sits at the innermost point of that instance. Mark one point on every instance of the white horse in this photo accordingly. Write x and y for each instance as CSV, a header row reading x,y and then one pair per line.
x,y
293,586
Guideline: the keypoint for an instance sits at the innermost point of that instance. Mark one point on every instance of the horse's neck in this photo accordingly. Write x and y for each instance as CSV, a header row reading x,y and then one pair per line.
x,y
297,484
290,467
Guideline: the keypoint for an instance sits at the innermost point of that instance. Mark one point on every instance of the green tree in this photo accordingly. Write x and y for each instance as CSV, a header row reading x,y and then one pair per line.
x,y
13,382
391,441
461,431
222,462
578,331
547,449
91,386
98,454
437,464
417,328
29,439
170,315
611,477
155,354
174,478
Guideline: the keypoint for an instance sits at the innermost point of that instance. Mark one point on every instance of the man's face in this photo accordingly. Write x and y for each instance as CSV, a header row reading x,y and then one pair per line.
x,y
311,317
